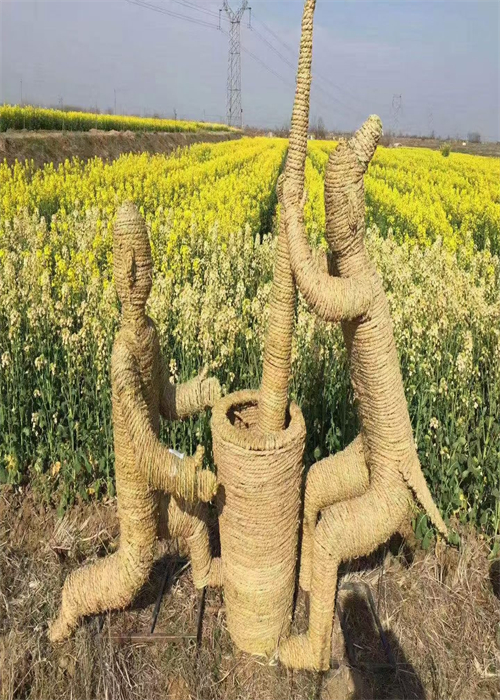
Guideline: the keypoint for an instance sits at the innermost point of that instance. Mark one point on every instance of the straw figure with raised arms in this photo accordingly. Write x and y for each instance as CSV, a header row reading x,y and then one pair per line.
x,y
153,483
366,493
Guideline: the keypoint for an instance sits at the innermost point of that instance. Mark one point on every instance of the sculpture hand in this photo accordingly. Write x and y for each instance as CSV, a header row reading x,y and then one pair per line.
x,y
193,482
210,390
207,485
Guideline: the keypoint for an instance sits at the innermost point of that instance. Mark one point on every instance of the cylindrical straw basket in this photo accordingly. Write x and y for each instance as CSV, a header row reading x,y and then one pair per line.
x,y
258,500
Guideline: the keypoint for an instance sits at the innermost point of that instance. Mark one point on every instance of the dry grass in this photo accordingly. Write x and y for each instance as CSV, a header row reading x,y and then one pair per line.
x,y
440,614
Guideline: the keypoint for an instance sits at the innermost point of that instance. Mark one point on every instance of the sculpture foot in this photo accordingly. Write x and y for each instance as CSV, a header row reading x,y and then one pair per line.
x,y
297,652
60,629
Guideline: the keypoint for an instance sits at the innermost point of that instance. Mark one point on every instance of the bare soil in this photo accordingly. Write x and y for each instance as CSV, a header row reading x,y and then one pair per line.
x,y
439,610
57,146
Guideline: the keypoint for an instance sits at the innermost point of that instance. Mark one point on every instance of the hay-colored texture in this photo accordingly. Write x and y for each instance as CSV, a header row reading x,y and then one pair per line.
x,y
141,391
258,501
259,456
366,493
278,349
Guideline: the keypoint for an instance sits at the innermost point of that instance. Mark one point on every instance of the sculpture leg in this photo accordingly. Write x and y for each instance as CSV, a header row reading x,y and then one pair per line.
x,y
336,478
108,584
347,530
113,582
190,523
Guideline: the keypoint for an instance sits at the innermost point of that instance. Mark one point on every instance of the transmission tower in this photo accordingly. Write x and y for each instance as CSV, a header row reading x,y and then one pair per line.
x,y
234,109
397,105
430,121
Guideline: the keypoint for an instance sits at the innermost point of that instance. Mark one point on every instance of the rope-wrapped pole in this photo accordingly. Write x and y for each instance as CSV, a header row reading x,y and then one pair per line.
x,y
259,440
273,397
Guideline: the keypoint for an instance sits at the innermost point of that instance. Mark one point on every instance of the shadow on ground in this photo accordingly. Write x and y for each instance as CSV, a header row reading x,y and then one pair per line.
x,y
380,667
495,577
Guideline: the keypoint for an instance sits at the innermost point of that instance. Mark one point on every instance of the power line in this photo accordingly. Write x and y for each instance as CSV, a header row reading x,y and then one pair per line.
x,y
197,8
273,48
280,77
280,41
170,13
315,72
268,68
288,63
318,87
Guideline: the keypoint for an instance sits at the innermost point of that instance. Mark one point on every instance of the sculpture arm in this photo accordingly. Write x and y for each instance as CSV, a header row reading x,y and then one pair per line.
x,y
331,298
179,401
163,469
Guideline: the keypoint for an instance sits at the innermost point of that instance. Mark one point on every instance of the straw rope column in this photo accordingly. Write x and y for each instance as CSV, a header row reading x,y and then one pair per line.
x,y
259,439
278,350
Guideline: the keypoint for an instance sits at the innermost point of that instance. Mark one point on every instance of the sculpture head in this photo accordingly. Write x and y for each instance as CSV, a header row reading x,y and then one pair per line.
x,y
344,188
132,262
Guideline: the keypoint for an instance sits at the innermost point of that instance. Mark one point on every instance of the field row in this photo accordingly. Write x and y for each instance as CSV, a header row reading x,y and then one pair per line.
x,y
420,196
38,118
415,194
211,214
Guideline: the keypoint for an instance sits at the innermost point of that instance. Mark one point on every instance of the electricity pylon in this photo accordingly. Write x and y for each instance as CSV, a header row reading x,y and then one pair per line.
x,y
234,109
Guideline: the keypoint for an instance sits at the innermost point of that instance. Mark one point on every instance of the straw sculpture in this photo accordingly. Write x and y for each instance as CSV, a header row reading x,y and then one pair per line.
x,y
259,440
259,495
366,493
145,468
273,401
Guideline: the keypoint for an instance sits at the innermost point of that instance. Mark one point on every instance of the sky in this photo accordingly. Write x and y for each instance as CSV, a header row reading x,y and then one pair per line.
x,y
421,66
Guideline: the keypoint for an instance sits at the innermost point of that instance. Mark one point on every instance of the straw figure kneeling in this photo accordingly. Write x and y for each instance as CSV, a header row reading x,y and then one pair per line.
x,y
145,468
366,493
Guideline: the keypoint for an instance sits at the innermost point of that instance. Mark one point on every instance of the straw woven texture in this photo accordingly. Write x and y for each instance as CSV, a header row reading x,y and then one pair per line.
x,y
278,350
365,494
258,454
258,501
144,466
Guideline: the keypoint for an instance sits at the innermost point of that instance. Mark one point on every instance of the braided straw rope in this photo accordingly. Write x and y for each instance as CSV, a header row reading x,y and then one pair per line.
x,y
257,452
258,500
365,493
144,466
273,400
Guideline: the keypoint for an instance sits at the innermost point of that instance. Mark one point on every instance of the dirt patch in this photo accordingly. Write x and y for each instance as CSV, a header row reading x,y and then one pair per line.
x,y
439,612
55,147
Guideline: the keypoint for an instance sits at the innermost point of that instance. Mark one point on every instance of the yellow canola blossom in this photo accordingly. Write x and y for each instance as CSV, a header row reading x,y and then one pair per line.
x,y
226,186
420,196
39,118
211,214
